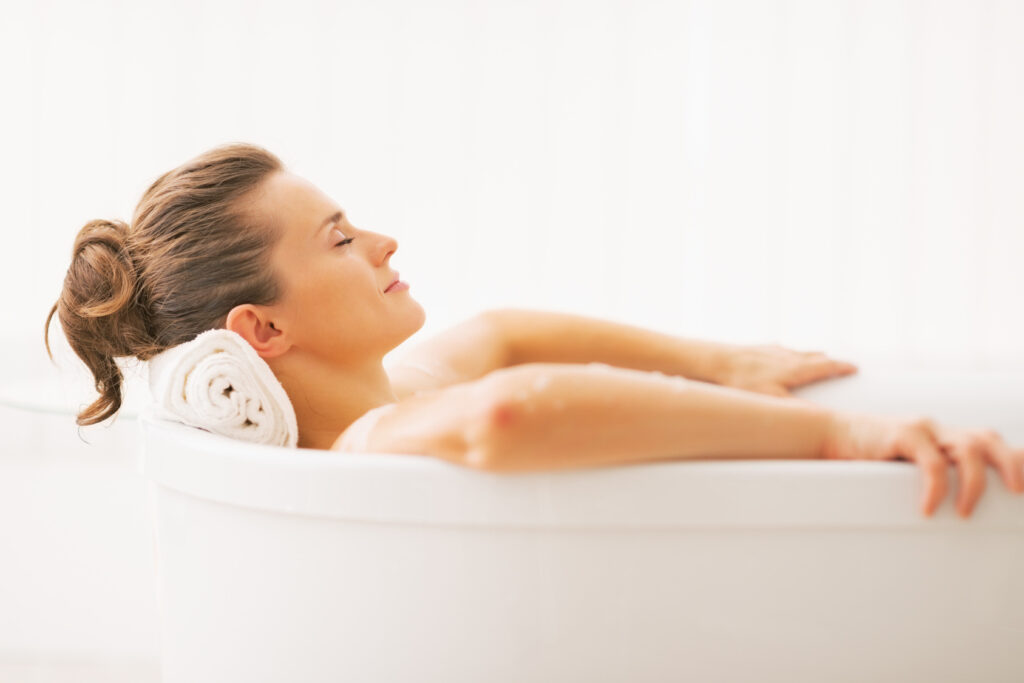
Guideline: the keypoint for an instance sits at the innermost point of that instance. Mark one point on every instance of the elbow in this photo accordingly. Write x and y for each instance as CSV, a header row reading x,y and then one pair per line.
x,y
488,440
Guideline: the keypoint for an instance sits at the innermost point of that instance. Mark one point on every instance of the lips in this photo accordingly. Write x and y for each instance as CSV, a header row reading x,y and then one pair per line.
x,y
393,281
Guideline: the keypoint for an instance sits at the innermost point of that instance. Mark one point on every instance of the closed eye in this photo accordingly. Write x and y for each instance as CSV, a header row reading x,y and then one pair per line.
x,y
344,242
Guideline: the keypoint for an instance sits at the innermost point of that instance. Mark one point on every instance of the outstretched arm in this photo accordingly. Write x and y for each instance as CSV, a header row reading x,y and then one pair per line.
x,y
554,416
546,337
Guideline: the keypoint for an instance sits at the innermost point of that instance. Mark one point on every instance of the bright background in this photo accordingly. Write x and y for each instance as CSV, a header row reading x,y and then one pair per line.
x,y
845,175
825,174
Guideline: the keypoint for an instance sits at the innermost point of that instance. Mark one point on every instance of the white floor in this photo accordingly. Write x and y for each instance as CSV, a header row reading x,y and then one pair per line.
x,y
36,669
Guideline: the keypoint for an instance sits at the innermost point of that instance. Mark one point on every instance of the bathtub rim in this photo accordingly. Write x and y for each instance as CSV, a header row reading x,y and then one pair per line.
x,y
412,489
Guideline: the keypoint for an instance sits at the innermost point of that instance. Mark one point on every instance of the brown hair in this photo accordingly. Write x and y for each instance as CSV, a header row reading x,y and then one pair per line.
x,y
192,253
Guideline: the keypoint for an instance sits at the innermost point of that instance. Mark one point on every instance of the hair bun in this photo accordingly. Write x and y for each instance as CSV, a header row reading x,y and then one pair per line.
x,y
101,289
102,267
98,309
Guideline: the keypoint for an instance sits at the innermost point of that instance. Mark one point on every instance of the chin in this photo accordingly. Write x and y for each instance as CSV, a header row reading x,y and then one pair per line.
x,y
420,318
410,319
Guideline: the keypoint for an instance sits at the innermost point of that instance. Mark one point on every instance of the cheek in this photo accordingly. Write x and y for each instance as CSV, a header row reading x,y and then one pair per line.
x,y
310,295
336,297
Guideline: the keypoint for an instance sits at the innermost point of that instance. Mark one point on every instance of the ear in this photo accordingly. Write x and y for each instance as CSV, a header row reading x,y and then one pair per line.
x,y
253,323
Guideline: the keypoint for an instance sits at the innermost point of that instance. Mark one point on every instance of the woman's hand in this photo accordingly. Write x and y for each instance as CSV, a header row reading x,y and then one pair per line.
x,y
856,436
772,369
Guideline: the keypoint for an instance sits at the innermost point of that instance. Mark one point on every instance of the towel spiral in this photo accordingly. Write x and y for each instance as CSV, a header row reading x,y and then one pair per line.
x,y
219,383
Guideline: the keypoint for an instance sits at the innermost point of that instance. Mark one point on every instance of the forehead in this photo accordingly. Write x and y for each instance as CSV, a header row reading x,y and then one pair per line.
x,y
294,202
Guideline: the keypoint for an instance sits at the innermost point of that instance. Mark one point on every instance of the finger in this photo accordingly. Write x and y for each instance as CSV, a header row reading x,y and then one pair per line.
x,y
935,465
824,368
841,367
822,356
1006,460
970,458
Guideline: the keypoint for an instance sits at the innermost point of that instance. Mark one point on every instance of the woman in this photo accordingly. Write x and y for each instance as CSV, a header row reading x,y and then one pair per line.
x,y
233,240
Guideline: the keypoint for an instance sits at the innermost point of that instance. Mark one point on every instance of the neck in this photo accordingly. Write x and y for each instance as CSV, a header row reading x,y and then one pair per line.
x,y
327,398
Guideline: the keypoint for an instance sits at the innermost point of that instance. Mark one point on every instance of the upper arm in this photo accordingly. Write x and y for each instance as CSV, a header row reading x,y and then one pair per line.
x,y
463,353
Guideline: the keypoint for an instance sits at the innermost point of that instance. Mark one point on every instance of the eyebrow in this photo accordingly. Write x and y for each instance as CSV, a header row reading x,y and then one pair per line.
x,y
333,218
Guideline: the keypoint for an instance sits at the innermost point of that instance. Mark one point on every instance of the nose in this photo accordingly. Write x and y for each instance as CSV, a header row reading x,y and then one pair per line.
x,y
387,245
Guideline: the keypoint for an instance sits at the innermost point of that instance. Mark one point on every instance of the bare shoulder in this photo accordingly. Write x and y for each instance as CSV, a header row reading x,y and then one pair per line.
x,y
464,352
439,422
356,437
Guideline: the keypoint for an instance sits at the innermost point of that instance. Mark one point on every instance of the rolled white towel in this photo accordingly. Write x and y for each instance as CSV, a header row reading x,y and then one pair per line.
x,y
219,383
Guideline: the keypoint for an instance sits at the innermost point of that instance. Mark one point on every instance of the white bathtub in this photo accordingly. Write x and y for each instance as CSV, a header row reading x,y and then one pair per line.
x,y
285,565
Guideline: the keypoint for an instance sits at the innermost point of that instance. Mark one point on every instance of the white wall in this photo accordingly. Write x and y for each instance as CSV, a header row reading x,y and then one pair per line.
x,y
828,174
823,173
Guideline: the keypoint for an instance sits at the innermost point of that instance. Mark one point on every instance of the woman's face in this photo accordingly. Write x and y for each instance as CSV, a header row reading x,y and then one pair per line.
x,y
333,276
